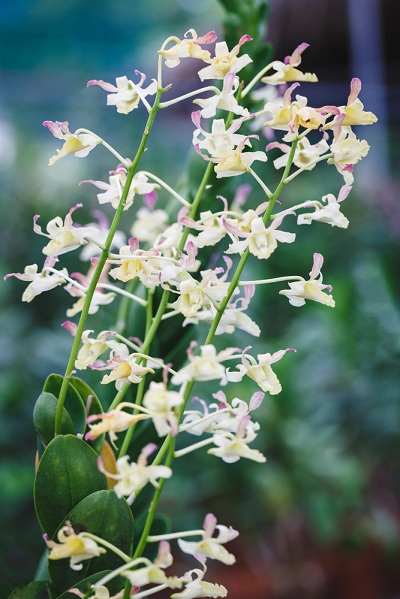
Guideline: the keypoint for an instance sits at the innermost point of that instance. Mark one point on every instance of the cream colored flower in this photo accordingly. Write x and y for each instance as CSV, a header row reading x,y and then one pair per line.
x,y
224,61
288,71
126,95
210,546
76,547
64,237
78,144
161,403
111,422
195,586
153,572
189,47
311,289
259,370
206,367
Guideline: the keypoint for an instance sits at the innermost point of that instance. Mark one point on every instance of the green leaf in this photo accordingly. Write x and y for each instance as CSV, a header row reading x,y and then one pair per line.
x,y
106,516
84,585
84,390
90,398
44,414
73,401
67,474
34,590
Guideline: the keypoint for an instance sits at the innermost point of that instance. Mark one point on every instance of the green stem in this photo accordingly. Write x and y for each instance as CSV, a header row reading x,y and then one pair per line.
x,y
140,390
165,296
154,504
169,443
100,265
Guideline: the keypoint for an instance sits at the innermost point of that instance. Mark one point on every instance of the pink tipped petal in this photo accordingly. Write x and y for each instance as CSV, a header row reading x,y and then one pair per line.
x,y
355,88
103,84
287,96
295,59
328,110
192,252
245,38
229,80
133,243
256,400
99,184
71,327
54,129
37,228
209,524
208,38
344,192
150,200
142,77
277,145
196,118
278,220
231,228
148,450
50,261
317,265
228,261
76,592
279,354
220,396
337,126
190,349
75,208
224,201
242,425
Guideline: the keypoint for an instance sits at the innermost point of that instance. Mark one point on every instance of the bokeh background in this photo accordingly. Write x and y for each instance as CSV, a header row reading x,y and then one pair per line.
x,y
322,518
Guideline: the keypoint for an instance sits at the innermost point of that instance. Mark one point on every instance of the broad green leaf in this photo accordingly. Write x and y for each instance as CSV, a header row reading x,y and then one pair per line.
x,y
90,398
73,401
34,590
83,585
84,391
106,516
44,414
67,474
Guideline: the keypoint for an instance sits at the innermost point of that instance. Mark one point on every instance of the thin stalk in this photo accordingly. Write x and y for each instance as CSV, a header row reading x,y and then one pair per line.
x,y
140,390
307,167
193,447
130,296
267,281
255,79
175,535
168,188
100,265
209,88
154,504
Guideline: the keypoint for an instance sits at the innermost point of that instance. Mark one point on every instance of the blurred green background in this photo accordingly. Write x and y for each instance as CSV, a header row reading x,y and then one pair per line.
x,y
323,515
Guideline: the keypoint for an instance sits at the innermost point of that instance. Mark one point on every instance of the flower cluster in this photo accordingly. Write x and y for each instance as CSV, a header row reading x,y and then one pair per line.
x,y
161,265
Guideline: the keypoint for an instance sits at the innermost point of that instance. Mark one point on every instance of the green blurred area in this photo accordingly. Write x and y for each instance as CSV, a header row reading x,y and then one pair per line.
x,y
332,437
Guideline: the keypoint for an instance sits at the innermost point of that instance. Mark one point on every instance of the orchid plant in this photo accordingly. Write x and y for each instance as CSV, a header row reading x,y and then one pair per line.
x,y
101,468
